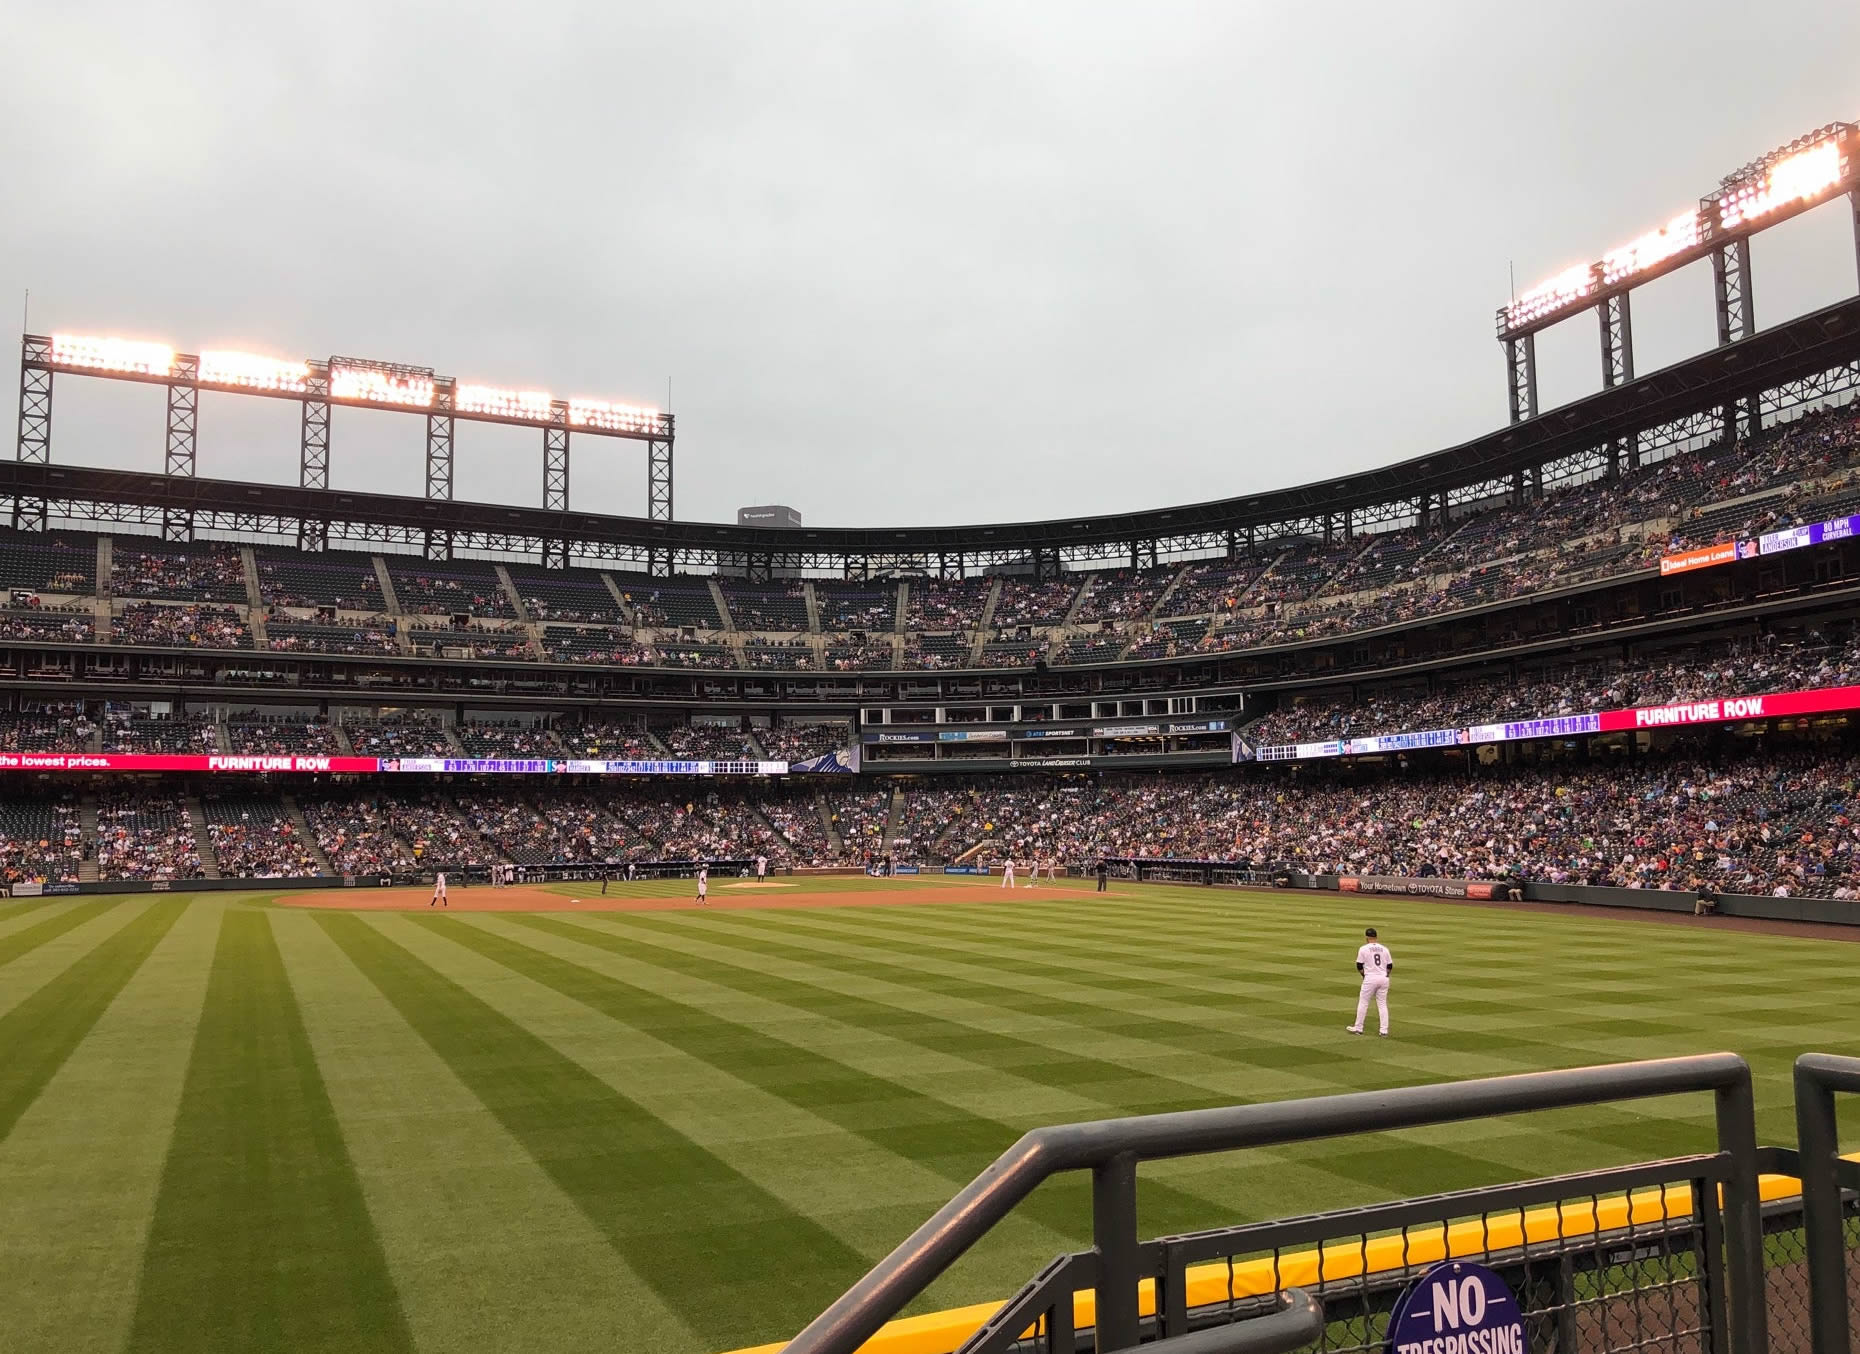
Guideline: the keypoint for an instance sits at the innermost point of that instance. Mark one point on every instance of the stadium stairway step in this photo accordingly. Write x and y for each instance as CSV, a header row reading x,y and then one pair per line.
x,y
100,620
894,819
203,840
301,825
452,741
388,594
508,584
254,598
813,606
834,839
904,603
1078,599
1162,598
222,736
723,607
986,626
255,621
106,554
343,745
87,839
652,741
619,597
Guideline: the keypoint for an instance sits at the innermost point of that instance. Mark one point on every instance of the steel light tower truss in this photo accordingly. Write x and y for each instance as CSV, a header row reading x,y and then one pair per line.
x,y
1521,376
183,428
659,477
35,435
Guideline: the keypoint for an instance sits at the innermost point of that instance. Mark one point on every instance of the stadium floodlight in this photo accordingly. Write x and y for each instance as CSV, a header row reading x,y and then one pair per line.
x,y
1652,249
1568,287
381,383
130,356
1777,183
618,418
531,406
250,371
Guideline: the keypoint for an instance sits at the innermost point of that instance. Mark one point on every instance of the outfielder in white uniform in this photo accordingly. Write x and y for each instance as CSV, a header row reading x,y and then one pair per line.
x,y
762,868
439,889
1375,963
1007,873
703,883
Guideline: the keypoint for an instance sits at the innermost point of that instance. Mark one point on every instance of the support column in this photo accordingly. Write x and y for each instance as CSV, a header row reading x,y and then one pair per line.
x,y
35,437
555,492
1854,199
1521,376
659,479
1617,325
1730,276
177,524
439,443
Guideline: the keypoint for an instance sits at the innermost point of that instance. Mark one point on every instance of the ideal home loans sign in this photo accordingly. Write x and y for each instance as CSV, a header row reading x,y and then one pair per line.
x,y
1457,1308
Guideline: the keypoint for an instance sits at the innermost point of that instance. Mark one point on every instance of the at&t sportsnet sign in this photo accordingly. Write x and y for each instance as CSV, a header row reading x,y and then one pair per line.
x,y
1458,1308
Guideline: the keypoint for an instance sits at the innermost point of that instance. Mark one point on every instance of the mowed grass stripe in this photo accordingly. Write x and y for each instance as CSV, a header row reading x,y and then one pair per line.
x,y
260,1240
83,1165
1116,1088
39,1033
483,1248
917,1127
698,1232
11,911
28,939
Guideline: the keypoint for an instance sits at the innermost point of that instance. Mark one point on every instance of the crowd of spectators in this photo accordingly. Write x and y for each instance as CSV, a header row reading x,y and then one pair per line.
x,y
1767,822
178,627
66,625
607,741
1565,688
196,734
946,604
485,738
256,839
782,655
706,742
40,839
858,814
373,635
281,736
215,575
421,593
401,735
145,836
477,640
797,742
355,834
59,727
1025,602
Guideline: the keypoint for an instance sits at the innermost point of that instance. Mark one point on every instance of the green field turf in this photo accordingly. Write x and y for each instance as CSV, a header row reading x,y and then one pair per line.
x,y
230,1125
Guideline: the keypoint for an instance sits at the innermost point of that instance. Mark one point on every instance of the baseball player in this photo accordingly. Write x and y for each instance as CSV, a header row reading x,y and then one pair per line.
x,y
1375,963
439,889
703,884
1007,873
1052,868
762,868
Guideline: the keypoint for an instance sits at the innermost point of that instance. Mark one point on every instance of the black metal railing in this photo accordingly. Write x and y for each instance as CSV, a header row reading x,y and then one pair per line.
x,y
1706,1265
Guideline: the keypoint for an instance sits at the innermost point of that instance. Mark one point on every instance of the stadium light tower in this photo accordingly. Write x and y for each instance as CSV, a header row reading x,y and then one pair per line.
x,y
362,383
1811,170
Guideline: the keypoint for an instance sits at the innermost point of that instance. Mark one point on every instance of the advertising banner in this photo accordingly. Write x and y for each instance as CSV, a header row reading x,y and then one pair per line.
x,y
1420,888
1403,742
147,761
971,736
1702,558
1718,710
843,762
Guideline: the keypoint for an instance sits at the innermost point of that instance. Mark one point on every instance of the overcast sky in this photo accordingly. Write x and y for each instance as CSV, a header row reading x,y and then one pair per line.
x,y
925,264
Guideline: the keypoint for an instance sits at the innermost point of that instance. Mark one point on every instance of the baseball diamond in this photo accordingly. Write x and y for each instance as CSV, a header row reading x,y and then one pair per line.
x,y
645,1126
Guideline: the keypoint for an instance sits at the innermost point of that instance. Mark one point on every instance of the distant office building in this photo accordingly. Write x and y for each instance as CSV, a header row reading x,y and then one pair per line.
x,y
769,515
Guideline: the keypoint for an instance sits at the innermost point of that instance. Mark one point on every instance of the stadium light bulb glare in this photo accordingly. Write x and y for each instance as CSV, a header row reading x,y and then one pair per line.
x,y
1653,248
619,418
112,354
1801,176
530,405
251,371
1565,289
377,386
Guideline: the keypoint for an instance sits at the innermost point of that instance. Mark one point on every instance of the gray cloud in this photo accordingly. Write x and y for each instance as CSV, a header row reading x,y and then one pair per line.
x,y
925,264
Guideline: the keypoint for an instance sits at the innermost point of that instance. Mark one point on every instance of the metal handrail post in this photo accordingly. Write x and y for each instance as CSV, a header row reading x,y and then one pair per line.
x,y
1817,1077
1114,1236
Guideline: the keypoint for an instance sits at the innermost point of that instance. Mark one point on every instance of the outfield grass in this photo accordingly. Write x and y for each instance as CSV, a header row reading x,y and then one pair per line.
x,y
231,1125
